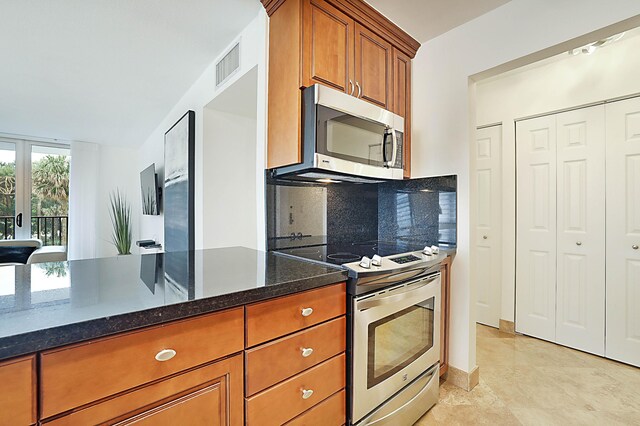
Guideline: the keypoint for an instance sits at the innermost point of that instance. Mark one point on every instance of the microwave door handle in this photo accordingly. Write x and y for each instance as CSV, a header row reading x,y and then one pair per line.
x,y
384,151
395,147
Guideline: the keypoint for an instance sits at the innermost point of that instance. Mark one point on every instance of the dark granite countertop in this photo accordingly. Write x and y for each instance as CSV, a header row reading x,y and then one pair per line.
x,y
47,305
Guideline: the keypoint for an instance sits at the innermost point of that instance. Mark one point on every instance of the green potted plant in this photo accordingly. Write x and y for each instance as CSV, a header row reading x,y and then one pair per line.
x,y
120,213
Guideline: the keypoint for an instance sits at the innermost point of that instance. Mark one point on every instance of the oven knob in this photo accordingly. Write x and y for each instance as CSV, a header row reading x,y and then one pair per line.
x,y
376,261
428,251
365,262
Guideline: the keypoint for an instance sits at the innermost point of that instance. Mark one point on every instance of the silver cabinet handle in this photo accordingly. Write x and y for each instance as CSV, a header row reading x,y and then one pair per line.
x,y
635,247
359,90
353,88
306,312
578,243
165,355
306,351
484,237
306,393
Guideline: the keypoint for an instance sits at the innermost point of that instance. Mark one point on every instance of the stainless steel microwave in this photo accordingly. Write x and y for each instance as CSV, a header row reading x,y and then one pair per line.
x,y
346,138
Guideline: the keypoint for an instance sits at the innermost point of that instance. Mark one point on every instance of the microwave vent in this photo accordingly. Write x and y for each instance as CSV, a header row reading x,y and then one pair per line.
x,y
228,65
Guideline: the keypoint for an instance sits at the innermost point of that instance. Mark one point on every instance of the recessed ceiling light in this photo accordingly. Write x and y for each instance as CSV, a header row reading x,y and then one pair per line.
x,y
588,49
427,190
327,180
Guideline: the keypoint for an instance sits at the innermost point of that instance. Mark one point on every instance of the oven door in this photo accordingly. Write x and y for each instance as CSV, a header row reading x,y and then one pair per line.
x,y
396,339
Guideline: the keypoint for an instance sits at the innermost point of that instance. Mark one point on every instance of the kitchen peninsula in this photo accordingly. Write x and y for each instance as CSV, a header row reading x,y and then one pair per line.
x,y
125,338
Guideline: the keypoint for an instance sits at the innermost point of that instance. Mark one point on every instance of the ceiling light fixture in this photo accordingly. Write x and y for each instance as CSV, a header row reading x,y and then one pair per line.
x,y
327,180
588,49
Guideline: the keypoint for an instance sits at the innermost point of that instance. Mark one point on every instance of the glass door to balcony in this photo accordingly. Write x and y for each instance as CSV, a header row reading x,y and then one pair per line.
x,y
34,191
49,193
8,193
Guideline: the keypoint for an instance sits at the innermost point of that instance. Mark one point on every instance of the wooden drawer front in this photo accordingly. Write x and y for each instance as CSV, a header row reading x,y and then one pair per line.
x,y
198,397
284,401
330,412
275,318
18,391
84,373
273,362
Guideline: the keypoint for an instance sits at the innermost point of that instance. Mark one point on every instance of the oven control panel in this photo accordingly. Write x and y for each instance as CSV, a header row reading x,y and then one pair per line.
x,y
404,259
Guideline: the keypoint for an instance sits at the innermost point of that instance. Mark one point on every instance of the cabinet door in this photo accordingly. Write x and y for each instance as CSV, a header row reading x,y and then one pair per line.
x,y
208,395
402,101
372,67
623,231
486,186
18,391
328,47
536,227
580,288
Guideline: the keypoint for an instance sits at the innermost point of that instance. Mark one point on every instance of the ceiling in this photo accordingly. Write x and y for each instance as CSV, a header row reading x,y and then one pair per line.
x,y
106,71
427,19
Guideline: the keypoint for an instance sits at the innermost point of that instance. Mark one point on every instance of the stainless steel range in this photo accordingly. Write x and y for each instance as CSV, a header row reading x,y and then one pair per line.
x,y
396,337
395,327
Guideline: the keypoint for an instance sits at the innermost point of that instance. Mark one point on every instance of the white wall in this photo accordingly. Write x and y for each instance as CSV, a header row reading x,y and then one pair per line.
x,y
253,41
229,198
117,170
559,83
444,110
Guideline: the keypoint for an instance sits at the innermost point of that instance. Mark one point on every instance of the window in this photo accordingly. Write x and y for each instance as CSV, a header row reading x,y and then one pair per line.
x,y
34,191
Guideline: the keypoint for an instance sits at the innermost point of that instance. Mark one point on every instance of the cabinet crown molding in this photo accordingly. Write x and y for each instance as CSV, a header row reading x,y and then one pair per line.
x,y
368,16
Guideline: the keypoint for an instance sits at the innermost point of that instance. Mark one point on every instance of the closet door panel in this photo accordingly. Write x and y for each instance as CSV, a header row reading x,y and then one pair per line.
x,y
488,234
536,227
623,231
580,304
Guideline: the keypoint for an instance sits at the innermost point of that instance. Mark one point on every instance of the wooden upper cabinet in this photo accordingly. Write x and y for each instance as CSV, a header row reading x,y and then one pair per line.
x,y
328,47
344,44
372,67
402,101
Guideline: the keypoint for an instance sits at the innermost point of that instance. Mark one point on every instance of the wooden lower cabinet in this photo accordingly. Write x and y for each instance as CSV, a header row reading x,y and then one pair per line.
x,y
330,412
208,395
77,375
192,371
286,400
18,391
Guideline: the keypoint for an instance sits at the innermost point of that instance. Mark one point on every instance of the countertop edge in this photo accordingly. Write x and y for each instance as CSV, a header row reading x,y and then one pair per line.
x,y
54,337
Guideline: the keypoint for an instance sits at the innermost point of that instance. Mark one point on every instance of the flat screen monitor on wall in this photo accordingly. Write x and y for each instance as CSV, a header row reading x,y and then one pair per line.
x,y
150,191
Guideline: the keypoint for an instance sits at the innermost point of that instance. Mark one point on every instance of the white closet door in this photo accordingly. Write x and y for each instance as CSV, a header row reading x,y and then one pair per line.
x,y
487,246
536,227
623,231
580,288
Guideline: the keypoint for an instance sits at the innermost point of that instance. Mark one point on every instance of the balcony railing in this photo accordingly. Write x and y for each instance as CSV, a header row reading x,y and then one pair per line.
x,y
52,230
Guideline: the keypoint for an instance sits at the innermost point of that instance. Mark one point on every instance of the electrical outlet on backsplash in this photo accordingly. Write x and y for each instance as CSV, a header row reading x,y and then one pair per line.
x,y
307,214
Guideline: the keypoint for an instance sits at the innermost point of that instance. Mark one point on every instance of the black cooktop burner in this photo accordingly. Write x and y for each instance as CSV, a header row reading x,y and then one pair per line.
x,y
343,257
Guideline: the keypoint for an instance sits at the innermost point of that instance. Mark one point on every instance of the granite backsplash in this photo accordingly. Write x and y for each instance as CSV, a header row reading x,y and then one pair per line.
x,y
304,214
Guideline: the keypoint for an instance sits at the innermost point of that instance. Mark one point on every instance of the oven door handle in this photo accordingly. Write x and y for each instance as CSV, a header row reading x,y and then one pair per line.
x,y
396,297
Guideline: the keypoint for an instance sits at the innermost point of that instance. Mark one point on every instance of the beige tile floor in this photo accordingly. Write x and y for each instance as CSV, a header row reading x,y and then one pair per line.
x,y
526,381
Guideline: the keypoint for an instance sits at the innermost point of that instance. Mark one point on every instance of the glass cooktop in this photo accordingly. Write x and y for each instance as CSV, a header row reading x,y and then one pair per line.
x,y
351,252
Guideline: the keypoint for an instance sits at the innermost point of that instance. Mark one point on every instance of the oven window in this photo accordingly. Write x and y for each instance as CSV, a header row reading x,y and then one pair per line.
x,y
399,339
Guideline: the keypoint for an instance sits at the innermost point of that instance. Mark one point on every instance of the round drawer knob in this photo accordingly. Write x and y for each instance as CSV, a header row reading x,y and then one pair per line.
x,y
484,237
306,351
165,355
306,393
307,311
635,247
578,243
